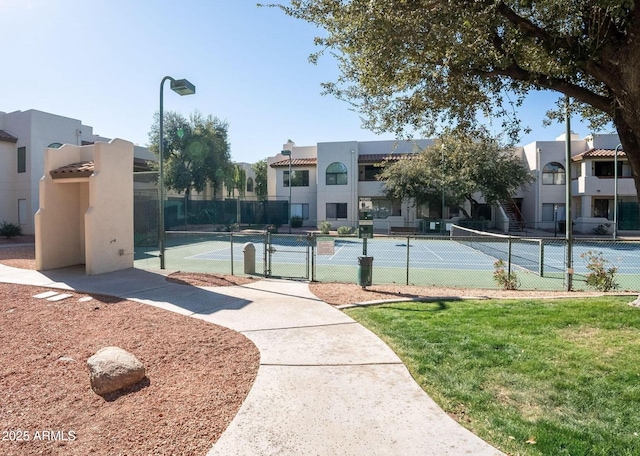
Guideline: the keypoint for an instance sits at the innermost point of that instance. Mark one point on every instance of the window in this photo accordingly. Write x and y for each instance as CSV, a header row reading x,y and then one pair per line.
x,y
22,159
553,174
552,212
601,208
336,174
300,210
55,145
336,211
369,172
383,208
298,178
606,169
249,185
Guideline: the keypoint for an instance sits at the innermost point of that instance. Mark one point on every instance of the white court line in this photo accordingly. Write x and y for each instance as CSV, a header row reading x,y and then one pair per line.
x,y
336,252
433,253
194,257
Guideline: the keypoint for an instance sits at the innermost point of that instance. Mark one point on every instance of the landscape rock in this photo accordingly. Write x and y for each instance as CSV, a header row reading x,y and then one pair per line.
x,y
112,369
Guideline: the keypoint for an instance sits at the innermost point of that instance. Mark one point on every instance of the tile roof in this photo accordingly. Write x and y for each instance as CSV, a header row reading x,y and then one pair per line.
x,y
4,136
295,162
80,169
379,158
598,153
86,168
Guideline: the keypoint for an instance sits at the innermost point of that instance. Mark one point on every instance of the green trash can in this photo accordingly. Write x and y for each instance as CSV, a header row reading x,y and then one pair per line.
x,y
365,271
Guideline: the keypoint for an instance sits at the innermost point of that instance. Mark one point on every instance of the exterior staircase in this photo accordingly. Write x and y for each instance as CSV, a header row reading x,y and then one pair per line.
x,y
516,220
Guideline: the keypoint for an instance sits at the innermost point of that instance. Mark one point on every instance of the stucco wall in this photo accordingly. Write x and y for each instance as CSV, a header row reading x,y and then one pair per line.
x,y
87,220
299,195
8,202
109,218
338,152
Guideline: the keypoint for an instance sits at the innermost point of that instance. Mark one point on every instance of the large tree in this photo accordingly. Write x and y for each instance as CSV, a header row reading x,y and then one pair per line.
x,y
196,151
260,168
236,179
458,168
419,64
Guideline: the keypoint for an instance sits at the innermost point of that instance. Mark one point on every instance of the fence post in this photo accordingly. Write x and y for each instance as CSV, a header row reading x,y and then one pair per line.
x,y
313,257
509,258
268,274
264,256
231,235
408,242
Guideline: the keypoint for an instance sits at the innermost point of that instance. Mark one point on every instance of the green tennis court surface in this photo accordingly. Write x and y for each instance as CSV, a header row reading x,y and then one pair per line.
x,y
439,261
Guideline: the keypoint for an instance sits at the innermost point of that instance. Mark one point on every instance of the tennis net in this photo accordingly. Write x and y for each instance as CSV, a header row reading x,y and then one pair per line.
x,y
526,253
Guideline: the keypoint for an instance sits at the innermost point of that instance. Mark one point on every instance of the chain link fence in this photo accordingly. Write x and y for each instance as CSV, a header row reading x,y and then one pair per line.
x,y
442,261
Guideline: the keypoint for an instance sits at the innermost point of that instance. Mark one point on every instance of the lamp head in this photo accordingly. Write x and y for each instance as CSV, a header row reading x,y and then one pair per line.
x,y
183,87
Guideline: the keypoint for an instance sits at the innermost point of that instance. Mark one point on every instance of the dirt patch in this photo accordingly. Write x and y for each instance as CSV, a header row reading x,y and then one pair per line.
x,y
198,375
17,256
208,280
347,293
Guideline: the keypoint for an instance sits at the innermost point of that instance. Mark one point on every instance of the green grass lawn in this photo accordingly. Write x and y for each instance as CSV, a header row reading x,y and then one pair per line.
x,y
548,377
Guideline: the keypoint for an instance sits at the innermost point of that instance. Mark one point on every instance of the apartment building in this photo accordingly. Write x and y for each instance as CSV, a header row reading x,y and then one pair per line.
x,y
328,182
24,136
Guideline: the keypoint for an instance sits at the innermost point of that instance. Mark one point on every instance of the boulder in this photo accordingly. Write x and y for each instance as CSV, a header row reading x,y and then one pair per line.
x,y
112,369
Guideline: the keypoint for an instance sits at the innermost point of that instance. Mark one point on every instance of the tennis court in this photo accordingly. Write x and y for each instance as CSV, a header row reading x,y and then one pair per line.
x,y
428,260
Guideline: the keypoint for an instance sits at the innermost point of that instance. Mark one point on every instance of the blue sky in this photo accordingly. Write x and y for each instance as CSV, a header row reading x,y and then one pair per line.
x,y
101,61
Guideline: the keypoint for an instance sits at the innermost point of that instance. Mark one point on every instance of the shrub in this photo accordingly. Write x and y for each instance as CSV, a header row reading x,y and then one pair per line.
x,y
9,230
599,277
344,230
602,228
325,227
296,221
508,281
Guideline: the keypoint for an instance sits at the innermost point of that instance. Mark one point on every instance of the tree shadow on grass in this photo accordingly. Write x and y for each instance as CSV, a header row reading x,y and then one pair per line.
x,y
439,304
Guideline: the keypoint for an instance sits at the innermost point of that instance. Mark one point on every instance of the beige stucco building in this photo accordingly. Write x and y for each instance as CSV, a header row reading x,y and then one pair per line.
x,y
24,136
86,208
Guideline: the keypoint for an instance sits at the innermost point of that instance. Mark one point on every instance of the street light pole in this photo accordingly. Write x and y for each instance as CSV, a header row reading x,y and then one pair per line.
x,y
442,227
567,210
288,152
181,87
615,191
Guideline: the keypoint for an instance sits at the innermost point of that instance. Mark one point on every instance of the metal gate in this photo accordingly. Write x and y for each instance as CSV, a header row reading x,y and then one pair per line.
x,y
288,256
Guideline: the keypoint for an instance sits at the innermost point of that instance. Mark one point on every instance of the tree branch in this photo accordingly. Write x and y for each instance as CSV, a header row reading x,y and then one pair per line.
x,y
582,94
530,29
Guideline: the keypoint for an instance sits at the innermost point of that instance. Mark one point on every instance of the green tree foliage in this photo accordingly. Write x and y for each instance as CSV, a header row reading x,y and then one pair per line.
x,y
196,151
421,64
260,183
461,165
236,179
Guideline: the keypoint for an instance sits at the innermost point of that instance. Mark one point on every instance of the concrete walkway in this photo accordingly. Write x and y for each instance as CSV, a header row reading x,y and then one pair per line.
x,y
325,386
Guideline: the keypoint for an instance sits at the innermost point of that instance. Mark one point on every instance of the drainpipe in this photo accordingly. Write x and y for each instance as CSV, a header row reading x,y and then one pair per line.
x,y
354,188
